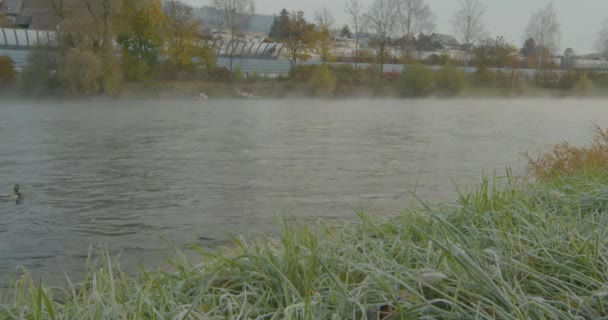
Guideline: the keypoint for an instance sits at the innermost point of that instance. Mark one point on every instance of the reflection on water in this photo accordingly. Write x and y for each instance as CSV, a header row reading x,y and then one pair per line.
x,y
126,173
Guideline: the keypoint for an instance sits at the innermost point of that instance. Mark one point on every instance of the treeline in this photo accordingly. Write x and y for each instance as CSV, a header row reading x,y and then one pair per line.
x,y
104,43
449,80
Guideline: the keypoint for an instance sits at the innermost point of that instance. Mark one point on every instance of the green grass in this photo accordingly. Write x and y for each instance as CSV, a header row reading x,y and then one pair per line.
x,y
508,250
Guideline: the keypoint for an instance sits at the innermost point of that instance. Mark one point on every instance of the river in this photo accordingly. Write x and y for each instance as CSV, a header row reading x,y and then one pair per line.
x,y
133,174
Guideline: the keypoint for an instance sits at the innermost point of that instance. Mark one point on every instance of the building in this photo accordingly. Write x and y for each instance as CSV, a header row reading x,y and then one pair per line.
x,y
30,14
446,42
11,8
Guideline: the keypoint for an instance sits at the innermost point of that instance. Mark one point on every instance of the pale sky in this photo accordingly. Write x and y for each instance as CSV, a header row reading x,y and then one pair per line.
x,y
580,20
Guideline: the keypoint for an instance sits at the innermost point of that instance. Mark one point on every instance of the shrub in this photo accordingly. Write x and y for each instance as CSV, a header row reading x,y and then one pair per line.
x,y
547,79
600,79
417,81
41,76
221,74
568,81
7,70
390,76
584,86
483,77
345,73
302,73
322,81
79,79
237,74
254,77
564,159
450,80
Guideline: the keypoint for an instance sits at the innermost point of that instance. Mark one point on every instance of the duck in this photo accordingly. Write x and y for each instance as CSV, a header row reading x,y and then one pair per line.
x,y
16,196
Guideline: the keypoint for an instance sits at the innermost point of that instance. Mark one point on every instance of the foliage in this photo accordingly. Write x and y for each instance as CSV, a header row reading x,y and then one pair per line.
x,y
600,79
450,80
7,71
584,86
182,34
41,74
439,60
529,48
322,81
417,81
345,32
325,45
507,249
565,159
568,81
220,74
299,39
79,80
483,77
237,74
143,39
345,73
547,79
424,42
278,30
5,22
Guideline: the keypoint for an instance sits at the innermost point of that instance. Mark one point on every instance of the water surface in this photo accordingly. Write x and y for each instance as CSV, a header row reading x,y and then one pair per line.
x,y
126,174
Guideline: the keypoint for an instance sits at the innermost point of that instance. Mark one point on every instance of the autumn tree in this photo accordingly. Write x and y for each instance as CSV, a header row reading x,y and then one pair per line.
x,y
234,15
504,53
181,33
544,28
325,44
415,17
354,9
468,25
381,20
299,39
143,38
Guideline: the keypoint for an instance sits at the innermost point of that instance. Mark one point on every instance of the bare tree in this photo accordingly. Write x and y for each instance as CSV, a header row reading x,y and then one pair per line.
x,y
545,30
415,16
325,21
381,20
601,43
355,10
468,25
234,15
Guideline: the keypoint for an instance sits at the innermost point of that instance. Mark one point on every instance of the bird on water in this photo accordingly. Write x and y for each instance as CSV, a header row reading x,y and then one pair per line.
x,y
15,196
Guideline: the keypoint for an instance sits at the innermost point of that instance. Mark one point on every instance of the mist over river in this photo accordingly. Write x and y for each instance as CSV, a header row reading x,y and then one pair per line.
x,y
127,173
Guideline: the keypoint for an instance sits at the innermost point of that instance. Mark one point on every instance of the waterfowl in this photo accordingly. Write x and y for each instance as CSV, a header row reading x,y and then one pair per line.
x,y
12,197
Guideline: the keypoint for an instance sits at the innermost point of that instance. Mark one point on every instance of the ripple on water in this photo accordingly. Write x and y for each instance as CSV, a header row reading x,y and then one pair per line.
x,y
126,174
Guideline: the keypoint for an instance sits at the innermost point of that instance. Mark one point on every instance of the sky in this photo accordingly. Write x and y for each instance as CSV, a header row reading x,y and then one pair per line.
x,y
580,20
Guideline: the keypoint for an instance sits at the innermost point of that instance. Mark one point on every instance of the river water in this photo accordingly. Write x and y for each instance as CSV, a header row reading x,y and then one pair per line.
x,y
131,174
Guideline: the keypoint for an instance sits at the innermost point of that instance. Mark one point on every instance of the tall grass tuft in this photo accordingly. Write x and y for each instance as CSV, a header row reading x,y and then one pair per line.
x,y
511,249
565,159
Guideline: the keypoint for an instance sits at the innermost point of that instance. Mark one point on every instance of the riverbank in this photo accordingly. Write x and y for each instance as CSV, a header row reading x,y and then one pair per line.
x,y
509,249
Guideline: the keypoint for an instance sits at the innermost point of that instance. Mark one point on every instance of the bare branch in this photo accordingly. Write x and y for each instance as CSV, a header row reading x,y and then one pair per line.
x,y
235,16
545,30
468,24
601,43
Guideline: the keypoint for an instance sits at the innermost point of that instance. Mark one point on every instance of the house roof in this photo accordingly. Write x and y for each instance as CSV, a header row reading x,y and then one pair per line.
x,y
445,39
11,7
